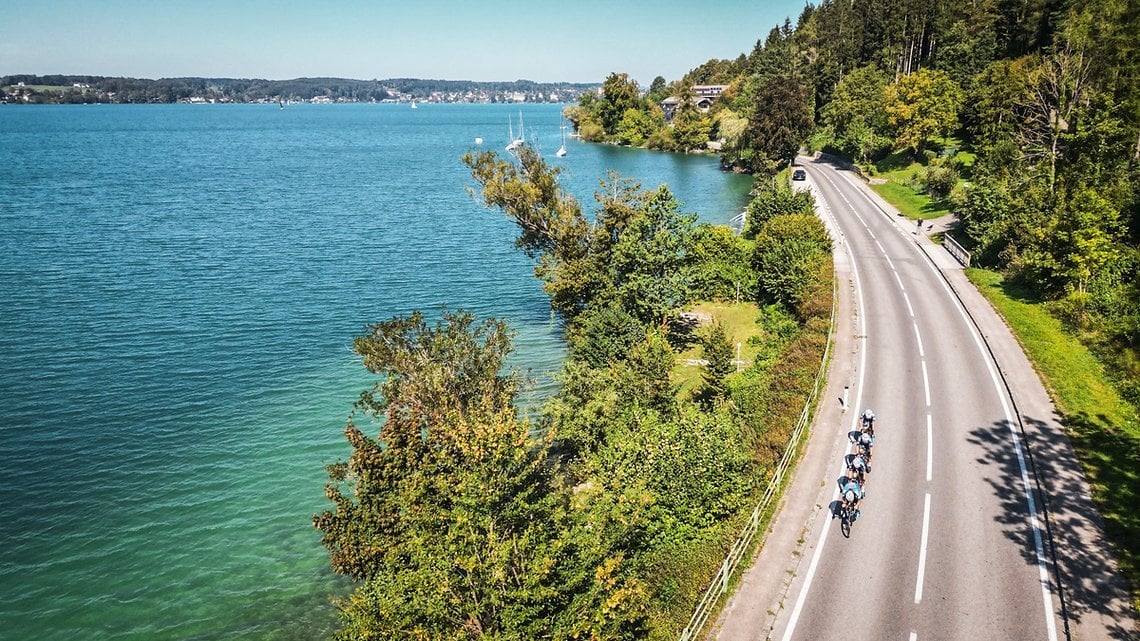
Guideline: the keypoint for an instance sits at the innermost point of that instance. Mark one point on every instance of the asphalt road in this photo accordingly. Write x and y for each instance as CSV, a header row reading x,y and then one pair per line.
x,y
950,544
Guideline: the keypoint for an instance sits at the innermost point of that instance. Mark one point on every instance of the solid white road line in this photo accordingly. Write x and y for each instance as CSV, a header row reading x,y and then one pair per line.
x,y
908,307
922,550
913,636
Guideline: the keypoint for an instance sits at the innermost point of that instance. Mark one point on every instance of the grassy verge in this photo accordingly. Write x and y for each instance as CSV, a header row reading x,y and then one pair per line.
x,y
1104,428
913,205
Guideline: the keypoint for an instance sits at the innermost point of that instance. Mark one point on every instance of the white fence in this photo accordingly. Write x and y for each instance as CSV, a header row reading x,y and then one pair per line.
x,y
740,546
956,250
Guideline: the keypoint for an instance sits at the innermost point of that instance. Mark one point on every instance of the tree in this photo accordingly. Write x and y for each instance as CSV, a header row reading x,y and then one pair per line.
x,y
790,253
922,105
633,255
552,227
637,126
782,120
719,265
648,263
691,128
450,520
619,94
718,352
855,112
775,198
658,90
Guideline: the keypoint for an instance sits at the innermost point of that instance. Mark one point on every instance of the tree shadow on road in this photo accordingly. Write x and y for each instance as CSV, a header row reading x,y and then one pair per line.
x,y
1090,584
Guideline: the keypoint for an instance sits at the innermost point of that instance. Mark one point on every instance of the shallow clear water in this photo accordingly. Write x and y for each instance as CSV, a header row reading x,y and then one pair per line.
x,y
179,289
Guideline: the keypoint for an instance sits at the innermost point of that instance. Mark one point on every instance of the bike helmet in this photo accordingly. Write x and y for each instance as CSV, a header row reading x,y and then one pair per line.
x,y
850,496
869,415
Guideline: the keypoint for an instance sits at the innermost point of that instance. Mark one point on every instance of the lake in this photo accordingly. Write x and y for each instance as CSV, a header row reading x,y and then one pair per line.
x,y
179,290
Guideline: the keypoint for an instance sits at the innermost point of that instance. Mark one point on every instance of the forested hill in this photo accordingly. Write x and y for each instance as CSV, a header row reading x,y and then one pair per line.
x,y
1023,117
91,89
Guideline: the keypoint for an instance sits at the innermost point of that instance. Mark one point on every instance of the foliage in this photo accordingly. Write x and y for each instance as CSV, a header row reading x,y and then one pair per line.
x,y
922,105
449,516
790,253
940,181
620,94
855,112
775,198
776,131
718,351
691,128
633,255
638,125
719,266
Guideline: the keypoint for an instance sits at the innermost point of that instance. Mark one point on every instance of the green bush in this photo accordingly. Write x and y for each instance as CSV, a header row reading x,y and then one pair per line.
x,y
940,181
789,255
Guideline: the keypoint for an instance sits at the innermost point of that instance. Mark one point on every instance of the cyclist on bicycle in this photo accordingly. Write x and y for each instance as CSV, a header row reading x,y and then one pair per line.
x,y
858,467
864,442
853,494
868,420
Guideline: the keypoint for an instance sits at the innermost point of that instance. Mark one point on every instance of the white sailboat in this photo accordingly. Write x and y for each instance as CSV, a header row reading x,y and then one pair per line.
x,y
515,143
414,104
562,150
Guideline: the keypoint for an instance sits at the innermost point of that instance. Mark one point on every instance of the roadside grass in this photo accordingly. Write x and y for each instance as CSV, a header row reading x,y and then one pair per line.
x,y
903,171
912,204
741,322
1104,428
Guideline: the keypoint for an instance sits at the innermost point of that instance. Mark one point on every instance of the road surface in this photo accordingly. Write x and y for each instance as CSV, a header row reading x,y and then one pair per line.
x,y
954,541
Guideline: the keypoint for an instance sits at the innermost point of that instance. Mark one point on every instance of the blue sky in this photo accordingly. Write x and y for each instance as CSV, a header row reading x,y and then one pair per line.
x,y
542,40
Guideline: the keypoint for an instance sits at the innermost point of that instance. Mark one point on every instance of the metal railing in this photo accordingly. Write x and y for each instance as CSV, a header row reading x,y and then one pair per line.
x,y
957,251
739,547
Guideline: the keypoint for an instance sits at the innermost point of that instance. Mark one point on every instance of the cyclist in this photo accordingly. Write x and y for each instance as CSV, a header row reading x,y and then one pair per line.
x,y
868,419
864,443
853,494
858,467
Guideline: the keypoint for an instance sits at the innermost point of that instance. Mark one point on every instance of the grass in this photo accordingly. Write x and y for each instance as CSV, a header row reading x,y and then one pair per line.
x,y
1104,428
913,205
901,170
741,322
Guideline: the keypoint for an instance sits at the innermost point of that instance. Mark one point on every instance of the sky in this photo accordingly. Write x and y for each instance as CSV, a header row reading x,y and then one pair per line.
x,y
488,40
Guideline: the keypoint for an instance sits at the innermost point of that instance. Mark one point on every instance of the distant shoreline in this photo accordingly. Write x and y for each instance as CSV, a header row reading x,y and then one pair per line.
x,y
78,89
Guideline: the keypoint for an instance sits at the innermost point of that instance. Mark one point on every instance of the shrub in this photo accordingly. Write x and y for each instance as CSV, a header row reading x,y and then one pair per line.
x,y
789,255
940,181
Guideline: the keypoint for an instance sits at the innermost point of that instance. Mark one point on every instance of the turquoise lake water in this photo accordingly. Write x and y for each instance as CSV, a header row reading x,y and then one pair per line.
x,y
179,289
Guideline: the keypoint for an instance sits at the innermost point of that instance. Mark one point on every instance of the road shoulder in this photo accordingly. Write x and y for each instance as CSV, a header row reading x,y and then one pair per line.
x,y
764,589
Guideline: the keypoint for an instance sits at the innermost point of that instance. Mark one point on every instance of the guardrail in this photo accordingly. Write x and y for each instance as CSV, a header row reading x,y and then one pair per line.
x,y
739,547
957,251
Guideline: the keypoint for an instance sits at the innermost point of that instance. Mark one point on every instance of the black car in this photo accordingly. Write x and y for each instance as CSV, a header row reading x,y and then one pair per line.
x,y
799,174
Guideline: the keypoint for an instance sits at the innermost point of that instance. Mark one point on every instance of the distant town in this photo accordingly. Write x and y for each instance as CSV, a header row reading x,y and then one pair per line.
x,y
64,89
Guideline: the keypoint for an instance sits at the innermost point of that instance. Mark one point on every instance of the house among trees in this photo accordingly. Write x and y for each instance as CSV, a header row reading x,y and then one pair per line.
x,y
702,96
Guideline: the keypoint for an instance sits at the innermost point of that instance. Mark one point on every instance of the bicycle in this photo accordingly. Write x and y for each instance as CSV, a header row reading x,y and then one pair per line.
x,y
847,517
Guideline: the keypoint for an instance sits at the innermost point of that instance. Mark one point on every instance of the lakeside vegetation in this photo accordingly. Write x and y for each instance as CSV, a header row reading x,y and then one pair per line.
x,y
458,522
1022,120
